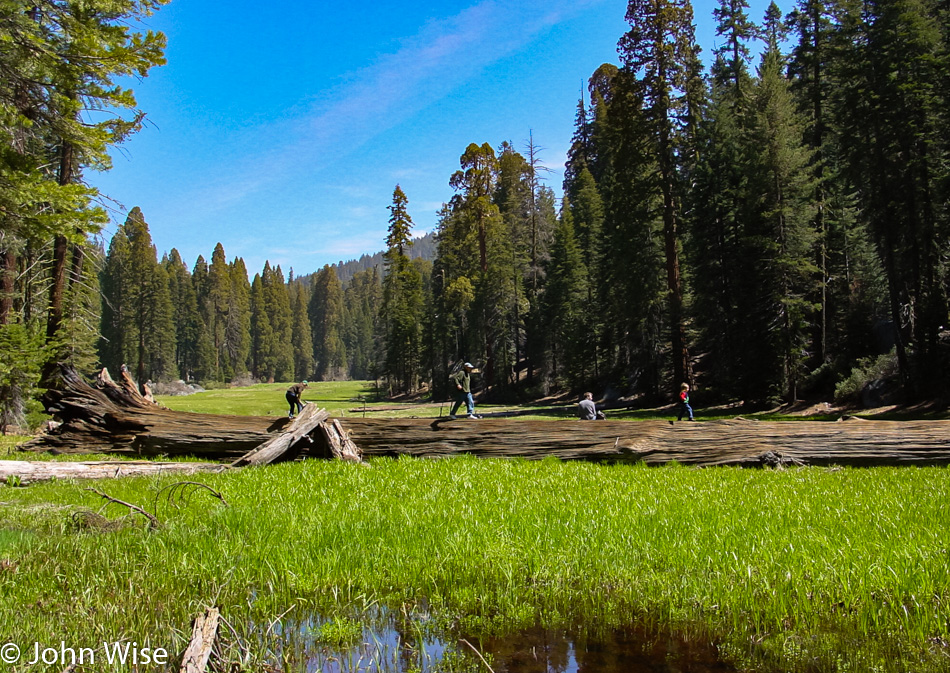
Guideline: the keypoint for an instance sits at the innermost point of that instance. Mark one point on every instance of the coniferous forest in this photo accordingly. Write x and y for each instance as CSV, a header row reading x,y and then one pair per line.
x,y
762,227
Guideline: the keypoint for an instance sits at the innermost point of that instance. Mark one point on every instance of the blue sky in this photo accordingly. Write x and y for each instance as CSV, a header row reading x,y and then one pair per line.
x,y
281,129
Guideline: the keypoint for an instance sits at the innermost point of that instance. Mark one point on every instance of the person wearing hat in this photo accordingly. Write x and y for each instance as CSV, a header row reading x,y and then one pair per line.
x,y
293,397
462,380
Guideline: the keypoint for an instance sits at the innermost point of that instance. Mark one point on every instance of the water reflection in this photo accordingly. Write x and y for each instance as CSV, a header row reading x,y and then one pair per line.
x,y
629,650
402,644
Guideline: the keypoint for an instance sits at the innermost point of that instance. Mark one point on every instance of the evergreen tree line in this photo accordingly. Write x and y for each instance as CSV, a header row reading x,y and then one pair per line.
x,y
424,247
61,111
755,230
212,323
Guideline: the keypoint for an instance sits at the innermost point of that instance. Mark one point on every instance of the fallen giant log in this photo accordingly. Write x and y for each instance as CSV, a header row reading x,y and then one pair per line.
x,y
743,442
114,418
99,419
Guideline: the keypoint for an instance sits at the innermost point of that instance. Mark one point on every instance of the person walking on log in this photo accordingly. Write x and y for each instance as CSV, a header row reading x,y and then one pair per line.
x,y
683,406
463,390
586,409
293,398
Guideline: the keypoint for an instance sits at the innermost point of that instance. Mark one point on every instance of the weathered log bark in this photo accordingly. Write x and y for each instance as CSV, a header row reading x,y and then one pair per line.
x,y
203,634
294,437
110,418
32,471
338,441
103,420
126,391
115,418
730,442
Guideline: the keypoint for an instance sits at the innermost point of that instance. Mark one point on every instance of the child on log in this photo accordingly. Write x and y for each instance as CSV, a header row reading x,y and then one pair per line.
x,y
684,407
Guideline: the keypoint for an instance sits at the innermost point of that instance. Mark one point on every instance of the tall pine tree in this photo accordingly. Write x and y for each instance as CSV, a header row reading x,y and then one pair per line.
x,y
139,322
402,300
326,321
659,53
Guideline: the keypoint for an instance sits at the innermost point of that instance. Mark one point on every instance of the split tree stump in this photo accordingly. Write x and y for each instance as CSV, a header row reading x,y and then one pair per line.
x,y
111,417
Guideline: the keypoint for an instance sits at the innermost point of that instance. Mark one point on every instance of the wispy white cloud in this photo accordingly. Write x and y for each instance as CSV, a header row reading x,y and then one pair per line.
x,y
334,248
426,67
442,56
361,212
354,246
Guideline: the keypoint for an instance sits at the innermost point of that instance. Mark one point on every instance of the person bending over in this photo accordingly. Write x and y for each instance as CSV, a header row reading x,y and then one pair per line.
x,y
293,398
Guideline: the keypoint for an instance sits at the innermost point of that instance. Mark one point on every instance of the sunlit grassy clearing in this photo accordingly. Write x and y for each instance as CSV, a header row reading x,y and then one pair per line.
x,y
843,563
363,398
267,399
340,398
9,442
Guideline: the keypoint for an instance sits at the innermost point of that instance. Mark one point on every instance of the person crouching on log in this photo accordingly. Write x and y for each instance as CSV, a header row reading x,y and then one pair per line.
x,y
586,409
463,390
293,397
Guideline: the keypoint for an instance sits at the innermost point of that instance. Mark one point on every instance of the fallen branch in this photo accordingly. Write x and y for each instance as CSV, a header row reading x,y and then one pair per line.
x,y
153,521
245,652
182,490
479,655
205,630
276,621
25,472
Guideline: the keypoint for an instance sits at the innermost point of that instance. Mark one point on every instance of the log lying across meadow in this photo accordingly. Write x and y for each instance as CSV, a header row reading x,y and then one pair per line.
x,y
27,472
106,417
722,442
116,418
109,418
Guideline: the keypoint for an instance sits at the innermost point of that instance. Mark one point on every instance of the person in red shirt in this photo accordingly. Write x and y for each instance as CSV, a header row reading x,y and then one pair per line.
x,y
684,407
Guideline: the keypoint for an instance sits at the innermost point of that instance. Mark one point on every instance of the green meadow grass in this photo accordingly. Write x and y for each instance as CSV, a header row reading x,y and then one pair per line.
x,y
267,399
340,398
9,442
809,569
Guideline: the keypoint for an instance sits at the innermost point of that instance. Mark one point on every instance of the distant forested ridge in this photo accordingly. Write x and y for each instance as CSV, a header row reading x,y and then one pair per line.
x,y
424,247
774,225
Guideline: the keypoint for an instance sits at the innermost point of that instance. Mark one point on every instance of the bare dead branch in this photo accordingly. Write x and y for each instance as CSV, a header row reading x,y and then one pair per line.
x,y
154,523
